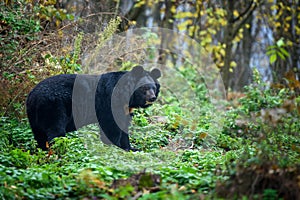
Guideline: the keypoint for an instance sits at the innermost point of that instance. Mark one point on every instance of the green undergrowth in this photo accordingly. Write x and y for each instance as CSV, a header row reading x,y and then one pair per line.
x,y
77,166
183,155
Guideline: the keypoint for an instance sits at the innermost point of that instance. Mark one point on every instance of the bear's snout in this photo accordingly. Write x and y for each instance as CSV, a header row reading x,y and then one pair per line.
x,y
152,98
150,95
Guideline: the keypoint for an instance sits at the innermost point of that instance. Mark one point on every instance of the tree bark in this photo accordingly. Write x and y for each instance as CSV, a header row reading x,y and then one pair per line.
x,y
228,37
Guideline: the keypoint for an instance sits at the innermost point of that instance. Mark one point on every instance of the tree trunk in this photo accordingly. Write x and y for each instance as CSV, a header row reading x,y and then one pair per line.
x,y
228,37
242,72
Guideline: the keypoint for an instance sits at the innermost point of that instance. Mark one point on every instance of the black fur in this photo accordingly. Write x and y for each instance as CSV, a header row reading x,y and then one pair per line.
x,y
64,103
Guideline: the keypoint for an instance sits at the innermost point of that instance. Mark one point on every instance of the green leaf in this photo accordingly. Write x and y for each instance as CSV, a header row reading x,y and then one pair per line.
x,y
281,55
273,58
282,50
47,56
271,47
271,52
280,42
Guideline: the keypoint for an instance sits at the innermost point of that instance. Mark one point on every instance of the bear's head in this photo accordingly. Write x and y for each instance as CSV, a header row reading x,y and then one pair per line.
x,y
146,88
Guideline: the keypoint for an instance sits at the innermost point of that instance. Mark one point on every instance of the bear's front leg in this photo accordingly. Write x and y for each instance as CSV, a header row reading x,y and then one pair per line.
x,y
113,133
125,144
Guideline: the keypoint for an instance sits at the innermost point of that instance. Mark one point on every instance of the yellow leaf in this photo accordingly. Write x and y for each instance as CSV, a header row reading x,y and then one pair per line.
x,y
139,4
217,56
223,22
207,39
222,52
274,7
202,135
247,25
191,30
287,26
132,22
238,37
235,13
289,18
173,9
277,24
212,31
60,33
297,30
185,15
233,64
219,12
182,26
57,23
203,32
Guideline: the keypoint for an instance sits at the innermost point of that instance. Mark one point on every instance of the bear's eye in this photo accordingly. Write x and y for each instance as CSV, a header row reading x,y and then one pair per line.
x,y
145,88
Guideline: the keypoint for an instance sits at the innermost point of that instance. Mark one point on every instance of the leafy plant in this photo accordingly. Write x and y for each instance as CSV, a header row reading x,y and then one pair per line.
x,y
69,62
278,50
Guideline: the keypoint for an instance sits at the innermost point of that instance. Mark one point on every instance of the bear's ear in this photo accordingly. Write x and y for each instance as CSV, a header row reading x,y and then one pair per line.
x,y
155,73
137,71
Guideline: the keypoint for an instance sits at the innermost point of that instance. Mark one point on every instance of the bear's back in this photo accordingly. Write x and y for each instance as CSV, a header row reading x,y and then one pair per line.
x,y
55,85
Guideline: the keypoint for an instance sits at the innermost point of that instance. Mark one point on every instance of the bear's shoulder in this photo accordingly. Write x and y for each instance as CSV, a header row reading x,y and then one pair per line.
x,y
55,86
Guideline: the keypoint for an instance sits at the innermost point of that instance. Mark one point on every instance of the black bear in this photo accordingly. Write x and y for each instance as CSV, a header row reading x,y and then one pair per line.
x,y
64,103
